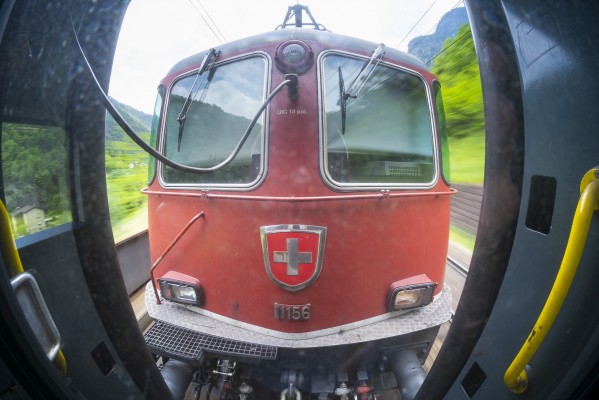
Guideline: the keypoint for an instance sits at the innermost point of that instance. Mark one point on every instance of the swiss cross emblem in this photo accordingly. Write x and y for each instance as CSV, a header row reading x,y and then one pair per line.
x,y
293,254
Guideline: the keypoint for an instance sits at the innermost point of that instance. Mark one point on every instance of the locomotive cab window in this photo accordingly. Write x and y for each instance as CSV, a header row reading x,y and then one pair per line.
x,y
205,132
377,128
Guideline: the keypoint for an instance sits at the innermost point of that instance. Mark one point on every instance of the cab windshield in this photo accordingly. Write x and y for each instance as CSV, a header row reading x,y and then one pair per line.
x,y
381,137
223,102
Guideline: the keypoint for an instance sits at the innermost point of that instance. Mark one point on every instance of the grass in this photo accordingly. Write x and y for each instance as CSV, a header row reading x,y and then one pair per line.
x,y
467,163
126,175
461,237
467,159
132,224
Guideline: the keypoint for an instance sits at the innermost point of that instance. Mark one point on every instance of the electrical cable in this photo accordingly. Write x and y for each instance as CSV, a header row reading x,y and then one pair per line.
x,y
417,22
445,49
436,25
149,149
207,23
211,20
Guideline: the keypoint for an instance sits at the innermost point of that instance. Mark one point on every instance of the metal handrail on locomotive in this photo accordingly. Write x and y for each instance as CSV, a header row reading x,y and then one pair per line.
x,y
300,250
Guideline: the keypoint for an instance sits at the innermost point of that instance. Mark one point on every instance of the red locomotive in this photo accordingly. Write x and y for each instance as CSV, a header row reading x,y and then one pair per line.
x,y
299,235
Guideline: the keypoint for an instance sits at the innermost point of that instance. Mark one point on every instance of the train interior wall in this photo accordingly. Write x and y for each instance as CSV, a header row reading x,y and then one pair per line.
x,y
555,48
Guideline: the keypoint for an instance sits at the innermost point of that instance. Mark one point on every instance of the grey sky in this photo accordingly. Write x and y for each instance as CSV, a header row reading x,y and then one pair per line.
x,y
158,33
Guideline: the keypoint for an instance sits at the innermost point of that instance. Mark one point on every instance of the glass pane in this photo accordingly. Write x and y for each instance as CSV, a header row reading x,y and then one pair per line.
x,y
223,104
154,132
388,133
34,168
442,127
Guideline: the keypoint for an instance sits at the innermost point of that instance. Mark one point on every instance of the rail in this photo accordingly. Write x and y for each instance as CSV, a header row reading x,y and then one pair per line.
x,y
465,207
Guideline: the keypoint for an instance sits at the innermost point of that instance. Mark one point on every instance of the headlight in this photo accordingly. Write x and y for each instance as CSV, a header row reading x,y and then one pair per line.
x,y
410,293
294,56
181,288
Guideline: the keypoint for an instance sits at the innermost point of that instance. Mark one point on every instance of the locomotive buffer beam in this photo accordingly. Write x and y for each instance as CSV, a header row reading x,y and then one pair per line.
x,y
191,346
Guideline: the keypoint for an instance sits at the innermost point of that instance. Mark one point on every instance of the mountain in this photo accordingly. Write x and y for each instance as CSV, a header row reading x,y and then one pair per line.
x,y
428,46
138,120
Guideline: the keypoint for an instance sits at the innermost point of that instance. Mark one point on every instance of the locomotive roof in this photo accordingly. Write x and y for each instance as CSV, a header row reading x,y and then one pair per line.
x,y
328,39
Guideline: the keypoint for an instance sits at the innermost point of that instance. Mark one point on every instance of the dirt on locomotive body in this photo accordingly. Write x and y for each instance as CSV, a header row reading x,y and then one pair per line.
x,y
299,235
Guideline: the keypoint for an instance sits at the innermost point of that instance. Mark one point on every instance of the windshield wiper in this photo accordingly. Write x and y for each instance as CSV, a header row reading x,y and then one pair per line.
x,y
204,66
375,57
342,100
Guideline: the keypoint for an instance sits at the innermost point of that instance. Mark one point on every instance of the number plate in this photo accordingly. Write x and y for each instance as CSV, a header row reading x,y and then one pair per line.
x,y
287,312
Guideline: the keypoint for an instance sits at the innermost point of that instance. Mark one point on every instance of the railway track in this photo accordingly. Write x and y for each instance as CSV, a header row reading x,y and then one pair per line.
x,y
457,266
455,277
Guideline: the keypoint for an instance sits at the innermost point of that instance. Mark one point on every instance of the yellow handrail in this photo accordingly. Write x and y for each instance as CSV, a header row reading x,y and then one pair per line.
x,y
7,244
515,377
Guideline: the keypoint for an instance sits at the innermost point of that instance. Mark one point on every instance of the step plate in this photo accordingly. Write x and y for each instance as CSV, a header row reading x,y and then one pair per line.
x,y
379,327
171,340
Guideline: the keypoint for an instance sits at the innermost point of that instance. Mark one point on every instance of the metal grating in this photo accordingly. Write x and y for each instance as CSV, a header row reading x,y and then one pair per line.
x,y
185,343
402,169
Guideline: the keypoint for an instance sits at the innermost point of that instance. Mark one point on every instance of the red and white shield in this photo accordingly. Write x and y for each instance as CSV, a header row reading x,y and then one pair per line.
x,y
293,254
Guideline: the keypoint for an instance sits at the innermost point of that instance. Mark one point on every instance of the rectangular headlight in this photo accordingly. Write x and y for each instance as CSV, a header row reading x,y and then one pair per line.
x,y
181,288
410,293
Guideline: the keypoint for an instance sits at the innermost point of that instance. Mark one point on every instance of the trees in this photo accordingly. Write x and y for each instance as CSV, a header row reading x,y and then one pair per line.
x,y
456,66
34,169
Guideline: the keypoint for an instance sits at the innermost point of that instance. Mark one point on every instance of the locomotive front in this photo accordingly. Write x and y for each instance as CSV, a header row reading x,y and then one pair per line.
x,y
308,253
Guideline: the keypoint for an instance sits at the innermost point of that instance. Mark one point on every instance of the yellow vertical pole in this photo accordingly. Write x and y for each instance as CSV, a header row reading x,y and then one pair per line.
x,y
516,378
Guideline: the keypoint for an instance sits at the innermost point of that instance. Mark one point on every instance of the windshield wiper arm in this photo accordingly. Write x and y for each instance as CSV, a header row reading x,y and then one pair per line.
x,y
376,57
205,65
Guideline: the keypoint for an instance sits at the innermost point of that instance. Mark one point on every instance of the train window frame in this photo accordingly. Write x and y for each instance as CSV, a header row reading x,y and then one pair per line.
x,y
441,127
155,131
264,119
323,157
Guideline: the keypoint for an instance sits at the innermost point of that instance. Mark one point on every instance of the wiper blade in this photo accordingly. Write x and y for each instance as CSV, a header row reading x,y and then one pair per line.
x,y
204,66
375,58
342,100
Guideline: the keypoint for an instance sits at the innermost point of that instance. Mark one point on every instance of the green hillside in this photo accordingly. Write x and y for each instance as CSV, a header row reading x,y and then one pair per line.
x,y
138,120
126,172
34,173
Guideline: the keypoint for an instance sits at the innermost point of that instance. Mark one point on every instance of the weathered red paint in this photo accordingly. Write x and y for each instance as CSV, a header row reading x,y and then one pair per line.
x,y
372,239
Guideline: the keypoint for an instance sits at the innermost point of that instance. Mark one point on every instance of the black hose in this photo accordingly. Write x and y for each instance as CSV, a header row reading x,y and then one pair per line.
x,y
149,149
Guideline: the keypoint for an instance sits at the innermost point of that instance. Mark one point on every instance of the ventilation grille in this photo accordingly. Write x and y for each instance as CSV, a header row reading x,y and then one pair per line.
x,y
402,169
188,344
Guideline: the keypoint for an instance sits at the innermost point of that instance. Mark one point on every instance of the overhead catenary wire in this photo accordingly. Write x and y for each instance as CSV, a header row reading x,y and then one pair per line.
x,y
434,27
211,20
447,48
416,24
217,33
